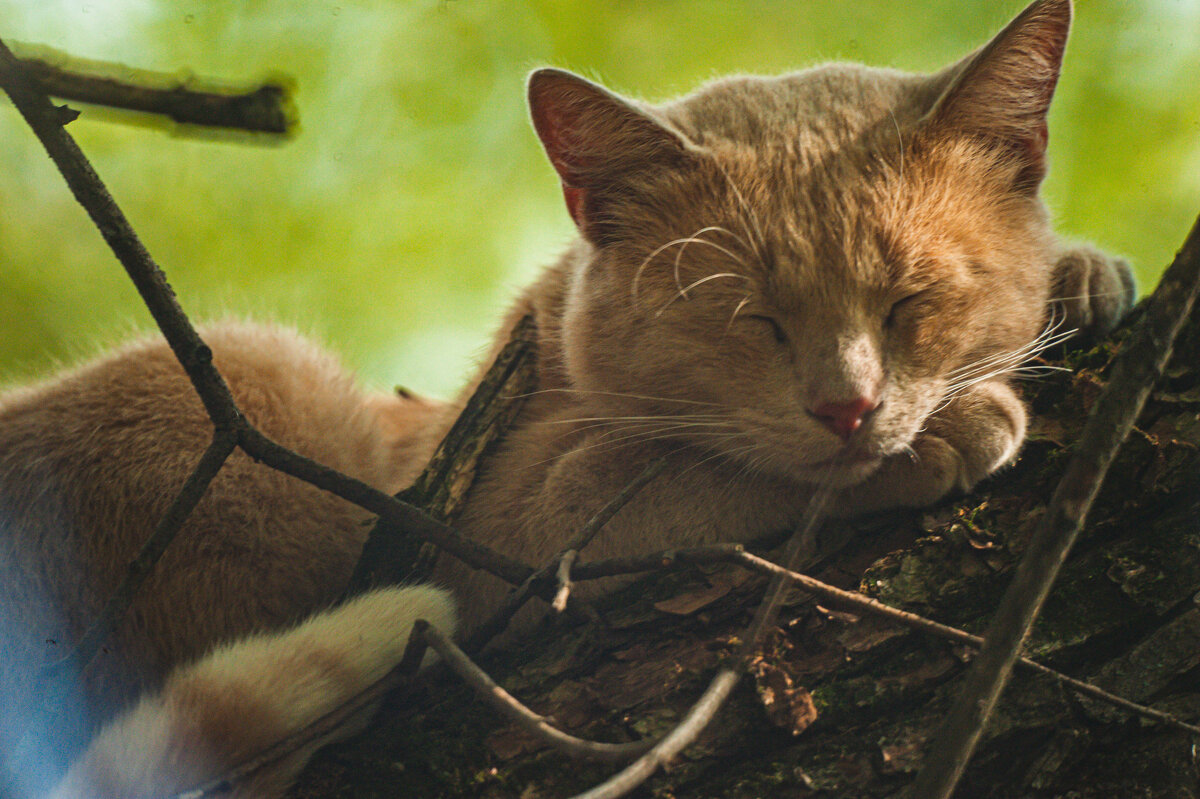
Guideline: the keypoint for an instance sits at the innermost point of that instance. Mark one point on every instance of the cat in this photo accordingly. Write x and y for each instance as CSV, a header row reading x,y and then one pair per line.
x,y
824,278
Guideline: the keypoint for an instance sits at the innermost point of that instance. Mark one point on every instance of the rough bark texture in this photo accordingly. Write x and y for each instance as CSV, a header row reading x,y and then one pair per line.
x,y
1122,615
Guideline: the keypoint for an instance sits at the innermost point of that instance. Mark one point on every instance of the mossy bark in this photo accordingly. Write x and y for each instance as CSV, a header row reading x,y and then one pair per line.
x,y
1122,615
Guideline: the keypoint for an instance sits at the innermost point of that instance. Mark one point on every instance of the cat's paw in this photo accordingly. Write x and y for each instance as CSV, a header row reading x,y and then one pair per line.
x,y
973,436
1094,289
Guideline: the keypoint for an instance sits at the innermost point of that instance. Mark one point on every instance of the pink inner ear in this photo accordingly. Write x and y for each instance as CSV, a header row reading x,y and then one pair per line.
x,y
574,197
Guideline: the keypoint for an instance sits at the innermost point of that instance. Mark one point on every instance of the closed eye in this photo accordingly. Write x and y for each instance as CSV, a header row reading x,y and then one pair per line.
x,y
899,308
776,328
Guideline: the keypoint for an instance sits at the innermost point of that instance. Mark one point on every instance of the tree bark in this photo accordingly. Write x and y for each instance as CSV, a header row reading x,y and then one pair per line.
x,y
1122,616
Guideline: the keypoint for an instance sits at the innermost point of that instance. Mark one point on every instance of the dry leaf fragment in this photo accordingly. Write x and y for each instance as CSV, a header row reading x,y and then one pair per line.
x,y
788,705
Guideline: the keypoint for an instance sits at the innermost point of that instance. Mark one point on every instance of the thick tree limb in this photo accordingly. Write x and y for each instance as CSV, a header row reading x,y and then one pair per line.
x,y
1137,369
391,556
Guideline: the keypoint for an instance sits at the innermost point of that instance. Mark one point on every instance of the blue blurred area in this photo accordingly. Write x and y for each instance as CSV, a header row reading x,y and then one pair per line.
x,y
414,201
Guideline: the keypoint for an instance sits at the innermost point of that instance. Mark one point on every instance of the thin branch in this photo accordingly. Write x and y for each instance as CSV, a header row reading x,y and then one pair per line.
x,y
736,554
677,740
412,520
869,605
194,355
536,724
537,583
214,457
800,545
151,283
423,635
1136,370
263,109
52,676
594,525
563,575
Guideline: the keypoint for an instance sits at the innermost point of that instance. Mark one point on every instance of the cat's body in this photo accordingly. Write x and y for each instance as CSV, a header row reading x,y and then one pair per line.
x,y
827,276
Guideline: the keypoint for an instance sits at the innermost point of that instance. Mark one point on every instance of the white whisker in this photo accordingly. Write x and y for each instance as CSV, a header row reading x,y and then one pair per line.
x,y
682,244
739,307
758,240
683,292
696,237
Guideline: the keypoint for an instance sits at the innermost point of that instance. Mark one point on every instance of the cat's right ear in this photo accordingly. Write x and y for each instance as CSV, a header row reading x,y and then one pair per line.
x,y
597,142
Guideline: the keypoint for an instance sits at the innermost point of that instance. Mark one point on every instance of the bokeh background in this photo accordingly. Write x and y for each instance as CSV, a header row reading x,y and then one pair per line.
x,y
414,201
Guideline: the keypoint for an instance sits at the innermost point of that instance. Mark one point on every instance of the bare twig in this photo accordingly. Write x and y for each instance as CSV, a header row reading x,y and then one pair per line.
x,y
563,575
869,605
412,520
852,600
701,713
262,109
196,359
223,444
192,352
1136,370
677,740
423,635
195,356
538,725
538,582
594,525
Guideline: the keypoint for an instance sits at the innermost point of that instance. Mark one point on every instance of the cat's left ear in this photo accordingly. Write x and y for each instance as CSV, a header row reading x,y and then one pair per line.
x,y
1002,92
598,142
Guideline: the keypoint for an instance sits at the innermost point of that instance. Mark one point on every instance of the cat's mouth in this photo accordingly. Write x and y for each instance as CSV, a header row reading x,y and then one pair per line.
x,y
847,467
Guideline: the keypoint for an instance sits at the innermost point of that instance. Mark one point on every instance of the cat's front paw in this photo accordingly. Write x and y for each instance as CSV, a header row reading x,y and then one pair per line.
x,y
974,435
1094,289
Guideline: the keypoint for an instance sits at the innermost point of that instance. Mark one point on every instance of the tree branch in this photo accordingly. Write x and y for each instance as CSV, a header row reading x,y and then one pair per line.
x,y
263,109
1137,369
389,554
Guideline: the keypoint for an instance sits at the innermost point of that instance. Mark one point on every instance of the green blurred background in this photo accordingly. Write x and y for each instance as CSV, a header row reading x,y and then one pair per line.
x,y
414,200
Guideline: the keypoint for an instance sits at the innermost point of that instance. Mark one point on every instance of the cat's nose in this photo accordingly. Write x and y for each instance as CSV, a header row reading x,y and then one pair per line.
x,y
843,418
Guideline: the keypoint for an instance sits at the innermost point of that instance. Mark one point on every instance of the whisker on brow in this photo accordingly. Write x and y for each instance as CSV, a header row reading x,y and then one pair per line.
x,y
682,244
683,292
757,239
739,307
696,237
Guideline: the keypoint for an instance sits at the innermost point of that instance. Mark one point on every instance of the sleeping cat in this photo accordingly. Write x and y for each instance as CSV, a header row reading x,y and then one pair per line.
x,y
824,277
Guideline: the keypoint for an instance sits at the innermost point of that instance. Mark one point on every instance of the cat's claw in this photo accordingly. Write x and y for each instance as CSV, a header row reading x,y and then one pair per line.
x,y
1094,289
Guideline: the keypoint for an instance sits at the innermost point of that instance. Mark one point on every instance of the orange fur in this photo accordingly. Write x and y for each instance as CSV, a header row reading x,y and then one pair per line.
x,y
824,276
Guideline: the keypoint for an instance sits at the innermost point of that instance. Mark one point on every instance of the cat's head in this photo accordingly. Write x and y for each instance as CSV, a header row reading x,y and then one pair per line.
x,y
799,270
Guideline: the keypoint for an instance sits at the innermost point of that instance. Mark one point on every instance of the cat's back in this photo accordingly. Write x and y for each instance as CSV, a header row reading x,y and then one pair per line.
x,y
91,459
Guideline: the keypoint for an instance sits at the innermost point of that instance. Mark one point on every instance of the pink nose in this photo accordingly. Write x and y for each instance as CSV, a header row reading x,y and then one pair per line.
x,y
843,418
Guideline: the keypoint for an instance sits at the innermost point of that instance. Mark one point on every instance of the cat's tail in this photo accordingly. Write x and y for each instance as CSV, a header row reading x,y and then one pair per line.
x,y
238,701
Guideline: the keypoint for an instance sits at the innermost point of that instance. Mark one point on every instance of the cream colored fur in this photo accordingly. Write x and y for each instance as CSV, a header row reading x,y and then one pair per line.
x,y
243,697
825,276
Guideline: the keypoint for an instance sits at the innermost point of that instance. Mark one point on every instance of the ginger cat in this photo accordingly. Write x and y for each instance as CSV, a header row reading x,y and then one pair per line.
x,y
825,276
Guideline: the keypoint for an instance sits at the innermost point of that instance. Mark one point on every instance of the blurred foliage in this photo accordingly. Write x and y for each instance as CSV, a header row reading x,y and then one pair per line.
x,y
414,200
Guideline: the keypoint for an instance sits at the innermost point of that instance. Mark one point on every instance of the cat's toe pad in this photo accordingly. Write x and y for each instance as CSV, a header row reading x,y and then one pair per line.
x,y
1094,290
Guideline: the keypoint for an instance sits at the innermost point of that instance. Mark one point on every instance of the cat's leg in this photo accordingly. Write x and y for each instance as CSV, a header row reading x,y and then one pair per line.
x,y
244,697
978,432
1093,288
